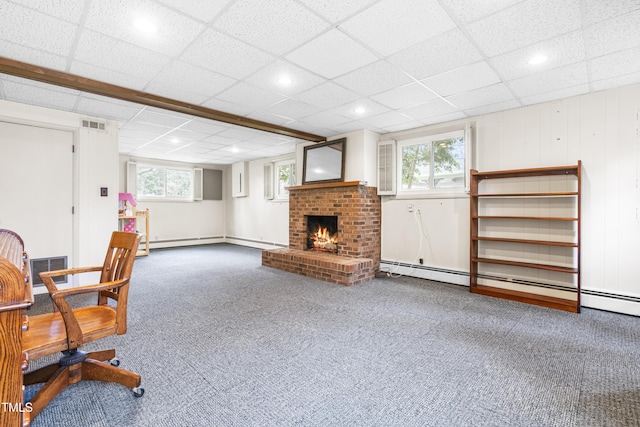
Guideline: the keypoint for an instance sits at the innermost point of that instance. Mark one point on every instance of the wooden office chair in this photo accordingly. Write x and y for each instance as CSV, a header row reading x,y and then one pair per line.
x,y
67,329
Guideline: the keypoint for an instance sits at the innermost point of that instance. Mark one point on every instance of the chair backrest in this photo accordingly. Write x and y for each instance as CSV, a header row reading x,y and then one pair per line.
x,y
118,265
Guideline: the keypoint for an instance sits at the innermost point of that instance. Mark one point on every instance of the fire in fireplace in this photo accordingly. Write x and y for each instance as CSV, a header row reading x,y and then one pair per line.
x,y
322,233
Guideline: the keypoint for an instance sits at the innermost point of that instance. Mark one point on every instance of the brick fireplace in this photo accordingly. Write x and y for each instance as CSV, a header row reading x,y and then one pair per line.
x,y
359,218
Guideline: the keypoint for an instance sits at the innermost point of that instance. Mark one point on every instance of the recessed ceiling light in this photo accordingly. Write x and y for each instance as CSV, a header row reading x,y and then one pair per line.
x,y
359,110
537,59
285,80
145,26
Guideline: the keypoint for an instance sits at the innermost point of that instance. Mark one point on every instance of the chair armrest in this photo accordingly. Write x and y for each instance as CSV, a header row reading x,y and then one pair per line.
x,y
105,286
66,271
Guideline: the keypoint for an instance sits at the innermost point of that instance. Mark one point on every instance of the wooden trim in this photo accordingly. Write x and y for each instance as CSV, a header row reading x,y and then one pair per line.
x,y
529,298
59,78
325,185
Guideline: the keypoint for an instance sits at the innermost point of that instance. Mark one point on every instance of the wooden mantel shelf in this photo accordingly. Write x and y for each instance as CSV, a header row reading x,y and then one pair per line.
x,y
326,185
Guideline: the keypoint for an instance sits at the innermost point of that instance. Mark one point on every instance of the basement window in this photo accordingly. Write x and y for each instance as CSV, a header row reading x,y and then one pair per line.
x,y
285,171
433,163
164,183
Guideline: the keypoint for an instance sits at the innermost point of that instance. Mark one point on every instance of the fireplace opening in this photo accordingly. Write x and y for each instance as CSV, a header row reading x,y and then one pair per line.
x,y
322,233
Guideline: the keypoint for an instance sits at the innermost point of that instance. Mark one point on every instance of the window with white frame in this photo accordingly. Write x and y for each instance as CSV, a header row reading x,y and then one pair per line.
x,y
285,176
164,183
434,163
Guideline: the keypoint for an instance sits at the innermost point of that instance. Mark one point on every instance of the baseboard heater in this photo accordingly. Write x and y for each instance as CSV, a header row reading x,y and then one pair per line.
x,y
454,276
260,242
187,239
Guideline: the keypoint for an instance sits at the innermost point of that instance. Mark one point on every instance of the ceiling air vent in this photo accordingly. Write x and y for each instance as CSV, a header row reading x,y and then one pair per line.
x,y
92,124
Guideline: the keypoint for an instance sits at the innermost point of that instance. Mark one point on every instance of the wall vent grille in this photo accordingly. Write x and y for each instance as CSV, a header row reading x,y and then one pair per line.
x,y
92,124
47,264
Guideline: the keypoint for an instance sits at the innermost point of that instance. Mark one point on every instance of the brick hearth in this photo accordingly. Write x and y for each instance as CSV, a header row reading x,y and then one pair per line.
x,y
359,215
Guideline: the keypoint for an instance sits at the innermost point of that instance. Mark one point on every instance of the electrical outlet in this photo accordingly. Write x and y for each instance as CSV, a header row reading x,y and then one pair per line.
x,y
410,207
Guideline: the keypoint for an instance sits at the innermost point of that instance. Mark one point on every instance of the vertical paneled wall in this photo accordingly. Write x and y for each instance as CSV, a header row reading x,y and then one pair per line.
x,y
602,130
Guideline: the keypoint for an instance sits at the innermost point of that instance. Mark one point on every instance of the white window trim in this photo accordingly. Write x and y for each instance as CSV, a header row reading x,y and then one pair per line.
x,y
189,198
277,197
450,192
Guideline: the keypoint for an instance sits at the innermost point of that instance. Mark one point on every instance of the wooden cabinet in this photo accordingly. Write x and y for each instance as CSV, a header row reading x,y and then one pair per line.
x,y
525,235
138,222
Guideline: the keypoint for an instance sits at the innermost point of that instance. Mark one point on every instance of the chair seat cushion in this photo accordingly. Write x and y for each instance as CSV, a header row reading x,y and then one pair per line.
x,y
46,333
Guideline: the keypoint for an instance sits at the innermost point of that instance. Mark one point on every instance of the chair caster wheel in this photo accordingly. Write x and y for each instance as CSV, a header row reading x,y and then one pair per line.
x,y
137,391
114,362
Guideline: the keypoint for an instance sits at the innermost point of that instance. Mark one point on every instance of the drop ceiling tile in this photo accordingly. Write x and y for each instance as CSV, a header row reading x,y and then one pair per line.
x,y
292,109
105,109
351,126
307,127
564,92
68,10
331,55
360,109
204,126
238,133
203,11
251,96
193,149
327,95
615,64
265,116
484,96
487,109
253,145
434,108
277,26
36,30
100,74
405,96
38,95
472,10
187,135
40,85
456,115
335,11
619,33
139,136
524,24
627,79
325,119
374,78
391,118
436,55
32,56
157,118
113,54
552,80
598,10
170,91
560,51
301,80
116,19
228,107
401,126
462,79
232,58
391,25
195,80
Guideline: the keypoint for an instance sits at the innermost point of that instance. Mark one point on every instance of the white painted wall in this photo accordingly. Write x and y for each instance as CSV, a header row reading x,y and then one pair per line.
x,y
253,220
96,160
174,224
602,130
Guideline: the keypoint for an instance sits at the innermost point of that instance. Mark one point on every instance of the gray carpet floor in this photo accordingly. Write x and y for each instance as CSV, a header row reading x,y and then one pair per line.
x,y
222,341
